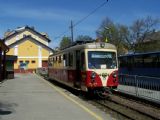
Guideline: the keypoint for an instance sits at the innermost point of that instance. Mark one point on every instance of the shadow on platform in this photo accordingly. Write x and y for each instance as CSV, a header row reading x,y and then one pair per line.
x,y
7,108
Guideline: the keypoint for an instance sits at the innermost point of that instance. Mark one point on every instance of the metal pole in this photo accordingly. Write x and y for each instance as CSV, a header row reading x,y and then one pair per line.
x,y
136,85
71,31
4,65
0,63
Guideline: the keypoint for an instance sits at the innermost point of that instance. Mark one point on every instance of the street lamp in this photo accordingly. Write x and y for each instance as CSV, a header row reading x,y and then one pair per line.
x,y
108,29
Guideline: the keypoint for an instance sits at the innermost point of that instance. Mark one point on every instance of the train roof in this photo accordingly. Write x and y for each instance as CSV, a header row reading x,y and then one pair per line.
x,y
138,54
93,45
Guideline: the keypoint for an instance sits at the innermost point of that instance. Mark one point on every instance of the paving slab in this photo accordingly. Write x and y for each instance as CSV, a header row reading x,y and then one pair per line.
x,y
27,97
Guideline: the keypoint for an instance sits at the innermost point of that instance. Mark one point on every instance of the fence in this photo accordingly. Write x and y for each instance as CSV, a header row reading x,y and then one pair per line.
x,y
42,71
140,86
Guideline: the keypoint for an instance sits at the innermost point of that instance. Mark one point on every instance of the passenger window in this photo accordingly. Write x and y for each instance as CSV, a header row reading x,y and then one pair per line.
x,y
123,62
64,60
60,59
158,60
70,59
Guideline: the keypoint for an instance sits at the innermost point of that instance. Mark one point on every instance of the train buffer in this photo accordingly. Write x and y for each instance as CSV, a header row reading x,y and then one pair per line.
x,y
29,97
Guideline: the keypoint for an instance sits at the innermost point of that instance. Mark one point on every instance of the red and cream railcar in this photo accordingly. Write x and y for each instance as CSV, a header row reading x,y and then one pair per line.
x,y
90,66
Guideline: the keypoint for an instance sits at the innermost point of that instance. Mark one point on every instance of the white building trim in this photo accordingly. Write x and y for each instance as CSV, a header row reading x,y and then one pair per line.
x,y
50,52
16,50
6,43
31,57
17,37
39,56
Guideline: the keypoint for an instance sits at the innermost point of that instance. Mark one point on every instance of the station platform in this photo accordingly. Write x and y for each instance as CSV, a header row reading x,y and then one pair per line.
x,y
29,97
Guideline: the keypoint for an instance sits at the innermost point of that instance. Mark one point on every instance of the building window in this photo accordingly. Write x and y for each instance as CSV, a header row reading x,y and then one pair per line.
x,y
27,61
24,35
15,61
33,61
21,61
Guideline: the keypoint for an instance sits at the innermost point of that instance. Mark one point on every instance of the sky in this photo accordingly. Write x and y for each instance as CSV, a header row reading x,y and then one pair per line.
x,y
54,16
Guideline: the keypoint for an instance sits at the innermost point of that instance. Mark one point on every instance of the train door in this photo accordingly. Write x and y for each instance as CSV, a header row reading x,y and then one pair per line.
x,y
83,70
78,70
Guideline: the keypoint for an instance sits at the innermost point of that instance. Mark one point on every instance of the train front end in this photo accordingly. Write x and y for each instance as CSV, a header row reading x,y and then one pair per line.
x,y
101,73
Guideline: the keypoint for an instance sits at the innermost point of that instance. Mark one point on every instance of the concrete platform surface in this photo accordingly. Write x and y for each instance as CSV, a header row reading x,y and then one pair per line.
x,y
28,97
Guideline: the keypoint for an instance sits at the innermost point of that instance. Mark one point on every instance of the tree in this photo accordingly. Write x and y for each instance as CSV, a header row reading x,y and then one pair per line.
x,y
84,38
65,42
128,38
116,34
105,30
140,30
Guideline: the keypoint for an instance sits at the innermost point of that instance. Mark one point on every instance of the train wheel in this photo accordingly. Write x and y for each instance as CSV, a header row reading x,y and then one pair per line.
x,y
90,94
103,93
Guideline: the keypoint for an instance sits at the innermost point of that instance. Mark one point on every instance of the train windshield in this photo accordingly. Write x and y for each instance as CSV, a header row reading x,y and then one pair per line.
x,y
102,60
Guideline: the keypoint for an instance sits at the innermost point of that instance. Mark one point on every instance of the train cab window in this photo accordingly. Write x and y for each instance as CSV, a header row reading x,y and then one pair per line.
x,y
102,60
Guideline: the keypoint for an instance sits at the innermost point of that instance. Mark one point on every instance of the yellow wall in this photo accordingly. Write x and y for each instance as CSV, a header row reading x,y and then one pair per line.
x,y
45,52
30,65
27,48
11,51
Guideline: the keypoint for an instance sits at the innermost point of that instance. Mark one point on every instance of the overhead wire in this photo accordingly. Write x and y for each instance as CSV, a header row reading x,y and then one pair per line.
x,y
62,34
92,12
84,18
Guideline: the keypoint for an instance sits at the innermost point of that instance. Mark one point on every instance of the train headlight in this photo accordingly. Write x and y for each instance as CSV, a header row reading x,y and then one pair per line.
x,y
93,75
114,74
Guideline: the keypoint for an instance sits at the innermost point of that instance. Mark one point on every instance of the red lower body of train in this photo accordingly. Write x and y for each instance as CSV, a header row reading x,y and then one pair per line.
x,y
85,80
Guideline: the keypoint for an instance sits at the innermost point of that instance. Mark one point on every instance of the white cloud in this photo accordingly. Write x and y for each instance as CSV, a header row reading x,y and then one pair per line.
x,y
41,14
59,19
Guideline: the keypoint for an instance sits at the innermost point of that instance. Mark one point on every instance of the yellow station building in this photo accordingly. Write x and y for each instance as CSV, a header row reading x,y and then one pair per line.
x,y
31,48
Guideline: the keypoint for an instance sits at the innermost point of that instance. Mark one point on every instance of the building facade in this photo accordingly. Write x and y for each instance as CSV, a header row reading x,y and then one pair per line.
x,y
30,46
3,50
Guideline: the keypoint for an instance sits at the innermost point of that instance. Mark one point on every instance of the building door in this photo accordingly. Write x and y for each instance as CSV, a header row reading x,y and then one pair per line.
x,y
44,63
77,82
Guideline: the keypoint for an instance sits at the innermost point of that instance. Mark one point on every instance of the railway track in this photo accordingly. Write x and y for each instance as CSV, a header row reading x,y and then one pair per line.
x,y
119,109
128,108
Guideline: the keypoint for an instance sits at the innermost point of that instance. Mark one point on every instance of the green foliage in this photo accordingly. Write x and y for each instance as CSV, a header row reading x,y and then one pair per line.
x,y
115,33
141,30
84,38
129,38
65,42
